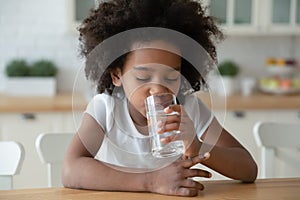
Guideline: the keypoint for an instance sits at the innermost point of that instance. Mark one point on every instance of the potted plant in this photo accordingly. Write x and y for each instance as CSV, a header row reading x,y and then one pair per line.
x,y
43,68
228,71
17,68
37,79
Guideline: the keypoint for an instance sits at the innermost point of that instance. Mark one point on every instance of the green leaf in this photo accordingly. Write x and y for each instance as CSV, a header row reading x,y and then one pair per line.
x,y
17,67
228,68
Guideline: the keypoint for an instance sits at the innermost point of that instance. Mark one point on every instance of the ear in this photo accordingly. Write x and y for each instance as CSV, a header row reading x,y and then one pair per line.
x,y
116,77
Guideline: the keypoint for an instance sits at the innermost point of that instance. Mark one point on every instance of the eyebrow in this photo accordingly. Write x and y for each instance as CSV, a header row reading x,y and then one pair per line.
x,y
144,68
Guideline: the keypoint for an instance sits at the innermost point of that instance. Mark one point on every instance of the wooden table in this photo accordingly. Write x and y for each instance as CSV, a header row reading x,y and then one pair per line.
x,y
264,189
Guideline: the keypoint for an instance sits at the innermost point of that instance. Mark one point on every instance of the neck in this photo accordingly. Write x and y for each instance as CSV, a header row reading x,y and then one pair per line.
x,y
136,116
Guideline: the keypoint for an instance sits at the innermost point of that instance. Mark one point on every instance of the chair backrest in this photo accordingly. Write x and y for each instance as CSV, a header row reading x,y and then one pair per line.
x,y
11,160
51,148
272,137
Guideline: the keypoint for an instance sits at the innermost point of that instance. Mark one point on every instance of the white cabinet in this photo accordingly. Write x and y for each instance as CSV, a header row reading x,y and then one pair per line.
x,y
283,16
240,125
236,16
24,128
77,10
255,17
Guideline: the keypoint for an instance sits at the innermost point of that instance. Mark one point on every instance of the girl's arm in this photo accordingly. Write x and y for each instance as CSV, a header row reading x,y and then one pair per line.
x,y
81,170
228,156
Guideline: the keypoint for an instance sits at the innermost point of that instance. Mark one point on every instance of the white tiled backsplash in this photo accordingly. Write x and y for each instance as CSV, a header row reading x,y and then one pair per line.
x,y
35,29
251,52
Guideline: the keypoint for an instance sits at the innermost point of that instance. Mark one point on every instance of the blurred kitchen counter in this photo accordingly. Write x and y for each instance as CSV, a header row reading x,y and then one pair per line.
x,y
256,101
62,102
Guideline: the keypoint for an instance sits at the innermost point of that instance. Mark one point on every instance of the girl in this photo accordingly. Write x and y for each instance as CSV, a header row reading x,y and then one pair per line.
x,y
110,150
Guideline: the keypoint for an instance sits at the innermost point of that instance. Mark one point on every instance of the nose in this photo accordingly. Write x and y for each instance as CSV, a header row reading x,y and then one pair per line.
x,y
158,89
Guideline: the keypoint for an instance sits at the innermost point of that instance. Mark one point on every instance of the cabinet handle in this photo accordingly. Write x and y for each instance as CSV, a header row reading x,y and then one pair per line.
x,y
28,116
239,114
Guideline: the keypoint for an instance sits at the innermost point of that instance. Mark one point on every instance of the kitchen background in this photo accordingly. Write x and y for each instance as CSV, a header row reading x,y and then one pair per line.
x,y
34,29
46,29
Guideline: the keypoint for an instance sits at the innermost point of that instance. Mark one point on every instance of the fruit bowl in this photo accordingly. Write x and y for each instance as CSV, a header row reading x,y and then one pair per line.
x,y
275,85
279,91
281,71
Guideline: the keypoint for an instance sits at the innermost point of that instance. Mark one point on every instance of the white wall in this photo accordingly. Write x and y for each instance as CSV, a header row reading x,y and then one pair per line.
x,y
251,52
35,29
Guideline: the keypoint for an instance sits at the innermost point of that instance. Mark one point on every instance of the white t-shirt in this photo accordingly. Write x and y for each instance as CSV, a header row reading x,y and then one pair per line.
x,y
123,145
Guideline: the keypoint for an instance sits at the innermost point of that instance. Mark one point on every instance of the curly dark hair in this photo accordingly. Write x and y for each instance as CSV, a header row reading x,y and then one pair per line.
x,y
115,16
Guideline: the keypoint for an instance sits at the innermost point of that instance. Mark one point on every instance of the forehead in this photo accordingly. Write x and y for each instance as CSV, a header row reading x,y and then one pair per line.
x,y
156,44
146,56
155,52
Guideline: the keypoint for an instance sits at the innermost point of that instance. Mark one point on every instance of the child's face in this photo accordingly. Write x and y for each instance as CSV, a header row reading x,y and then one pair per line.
x,y
150,71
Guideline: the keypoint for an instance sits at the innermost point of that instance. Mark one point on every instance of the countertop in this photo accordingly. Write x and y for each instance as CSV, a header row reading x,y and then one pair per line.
x,y
256,101
65,102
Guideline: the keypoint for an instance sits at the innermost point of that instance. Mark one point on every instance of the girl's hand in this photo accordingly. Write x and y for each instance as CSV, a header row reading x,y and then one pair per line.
x,y
185,125
175,179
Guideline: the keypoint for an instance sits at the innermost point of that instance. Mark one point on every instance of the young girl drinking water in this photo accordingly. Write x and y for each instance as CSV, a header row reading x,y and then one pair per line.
x,y
135,49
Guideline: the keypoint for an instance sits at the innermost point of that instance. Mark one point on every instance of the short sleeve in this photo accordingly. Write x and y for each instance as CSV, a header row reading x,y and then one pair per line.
x,y
101,109
201,115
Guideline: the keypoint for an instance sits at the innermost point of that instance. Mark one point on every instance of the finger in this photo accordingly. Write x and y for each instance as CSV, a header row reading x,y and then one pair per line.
x,y
200,158
188,192
168,127
167,139
170,123
190,173
173,108
195,160
187,163
171,118
176,108
189,183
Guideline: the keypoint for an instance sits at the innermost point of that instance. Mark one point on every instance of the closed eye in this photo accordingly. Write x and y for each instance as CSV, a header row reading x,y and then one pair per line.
x,y
172,79
143,79
142,74
173,76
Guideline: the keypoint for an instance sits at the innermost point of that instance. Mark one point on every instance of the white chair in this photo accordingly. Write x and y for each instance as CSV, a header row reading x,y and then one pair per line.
x,y
279,141
51,148
11,160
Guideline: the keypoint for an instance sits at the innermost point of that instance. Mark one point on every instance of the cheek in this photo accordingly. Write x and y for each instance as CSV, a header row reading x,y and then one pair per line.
x,y
136,97
174,87
130,85
177,87
133,90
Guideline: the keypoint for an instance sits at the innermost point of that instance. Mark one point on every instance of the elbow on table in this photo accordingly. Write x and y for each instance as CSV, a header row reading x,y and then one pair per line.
x,y
67,177
252,175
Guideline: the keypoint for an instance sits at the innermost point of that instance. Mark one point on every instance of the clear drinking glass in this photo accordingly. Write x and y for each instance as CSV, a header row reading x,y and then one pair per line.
x,y
156,117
